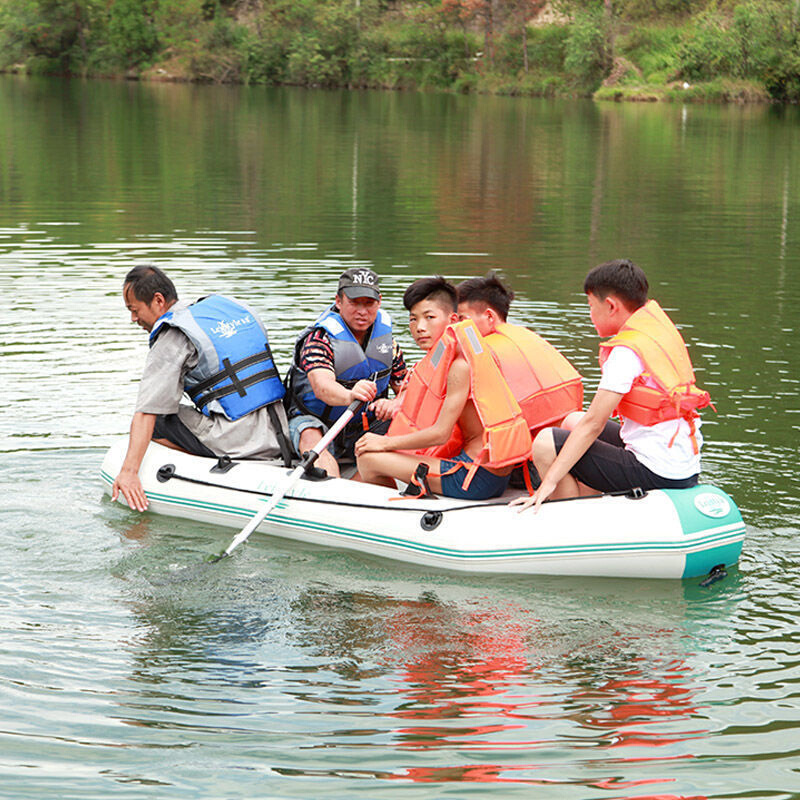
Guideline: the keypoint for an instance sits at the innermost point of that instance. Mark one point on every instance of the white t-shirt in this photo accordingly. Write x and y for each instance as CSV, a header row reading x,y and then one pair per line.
x,y
650,443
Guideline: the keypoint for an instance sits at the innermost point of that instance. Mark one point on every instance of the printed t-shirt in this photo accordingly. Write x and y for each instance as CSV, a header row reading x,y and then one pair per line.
x,y
317,353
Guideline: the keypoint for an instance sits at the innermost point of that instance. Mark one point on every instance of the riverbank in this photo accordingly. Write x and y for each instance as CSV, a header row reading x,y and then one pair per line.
x,y
636,50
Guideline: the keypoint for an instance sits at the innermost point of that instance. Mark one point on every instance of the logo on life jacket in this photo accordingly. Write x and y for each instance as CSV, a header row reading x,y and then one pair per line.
x,y
227,328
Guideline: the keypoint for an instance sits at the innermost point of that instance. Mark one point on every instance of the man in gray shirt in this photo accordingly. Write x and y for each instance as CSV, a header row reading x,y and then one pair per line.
x,y
216,351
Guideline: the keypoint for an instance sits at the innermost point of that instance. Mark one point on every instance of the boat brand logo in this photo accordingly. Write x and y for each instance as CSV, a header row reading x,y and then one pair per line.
x,y
712,505
228,328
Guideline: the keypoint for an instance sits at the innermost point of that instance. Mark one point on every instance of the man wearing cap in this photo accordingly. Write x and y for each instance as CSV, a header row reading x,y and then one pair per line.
x,y
348,354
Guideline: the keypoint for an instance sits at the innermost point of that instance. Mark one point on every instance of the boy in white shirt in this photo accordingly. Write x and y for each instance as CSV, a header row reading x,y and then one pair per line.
x,y
647,380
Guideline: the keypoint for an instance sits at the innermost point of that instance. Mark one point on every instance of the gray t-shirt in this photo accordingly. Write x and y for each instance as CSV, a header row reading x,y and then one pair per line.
x,y
161,390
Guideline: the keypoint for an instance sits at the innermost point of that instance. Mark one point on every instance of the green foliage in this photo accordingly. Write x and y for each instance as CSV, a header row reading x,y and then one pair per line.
x,y
708,49
758,42
177,21
132,37
727,44
547,47
588,58
655,50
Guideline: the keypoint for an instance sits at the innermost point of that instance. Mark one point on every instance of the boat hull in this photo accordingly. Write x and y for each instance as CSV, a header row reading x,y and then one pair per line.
x,y
665,534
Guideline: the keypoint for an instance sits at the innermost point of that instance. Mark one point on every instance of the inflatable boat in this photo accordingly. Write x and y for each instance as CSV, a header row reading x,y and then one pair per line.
x,y
657,534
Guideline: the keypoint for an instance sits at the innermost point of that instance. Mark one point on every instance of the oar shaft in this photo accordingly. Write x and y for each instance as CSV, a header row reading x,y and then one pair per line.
x,y
279,494
294,476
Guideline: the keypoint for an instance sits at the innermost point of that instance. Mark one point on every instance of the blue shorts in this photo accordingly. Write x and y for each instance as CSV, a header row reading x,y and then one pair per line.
x,y
484,484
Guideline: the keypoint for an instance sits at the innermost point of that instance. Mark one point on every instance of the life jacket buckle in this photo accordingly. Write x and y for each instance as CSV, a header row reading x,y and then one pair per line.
x,y
636,493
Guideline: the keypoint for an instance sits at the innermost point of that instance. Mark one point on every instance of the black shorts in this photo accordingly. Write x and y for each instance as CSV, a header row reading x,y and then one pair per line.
x,y
344,444
170,427
608,467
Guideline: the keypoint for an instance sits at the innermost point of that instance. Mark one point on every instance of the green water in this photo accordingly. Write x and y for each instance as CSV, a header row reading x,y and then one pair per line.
x,y
290,671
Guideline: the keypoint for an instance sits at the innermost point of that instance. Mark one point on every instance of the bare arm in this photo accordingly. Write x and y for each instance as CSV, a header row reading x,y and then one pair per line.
x,y
331,392
128,481
440,431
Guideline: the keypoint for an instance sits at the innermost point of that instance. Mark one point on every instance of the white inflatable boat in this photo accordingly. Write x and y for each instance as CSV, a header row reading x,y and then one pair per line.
x,y
661,534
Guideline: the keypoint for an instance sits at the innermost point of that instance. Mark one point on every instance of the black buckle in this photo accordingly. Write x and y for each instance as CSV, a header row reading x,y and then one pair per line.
x,y
419,486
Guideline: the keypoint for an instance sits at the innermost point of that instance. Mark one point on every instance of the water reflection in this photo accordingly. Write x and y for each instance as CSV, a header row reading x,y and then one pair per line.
x,y
128,664
424,680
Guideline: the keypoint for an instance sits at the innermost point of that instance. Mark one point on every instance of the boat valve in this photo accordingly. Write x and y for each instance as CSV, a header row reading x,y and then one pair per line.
x,y
430,520
165,473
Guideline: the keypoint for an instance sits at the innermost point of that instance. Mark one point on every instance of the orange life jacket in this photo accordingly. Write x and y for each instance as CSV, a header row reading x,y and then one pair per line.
x,y
546,386
652,335
506,437
424,390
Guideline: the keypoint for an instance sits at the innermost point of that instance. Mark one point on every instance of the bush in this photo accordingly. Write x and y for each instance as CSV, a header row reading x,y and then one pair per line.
x,y
707,50
132,35
547,47
654,50
587,57
263,58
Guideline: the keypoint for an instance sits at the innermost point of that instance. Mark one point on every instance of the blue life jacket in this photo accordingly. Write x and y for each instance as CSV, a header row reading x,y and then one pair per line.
x,y
235,373
352,362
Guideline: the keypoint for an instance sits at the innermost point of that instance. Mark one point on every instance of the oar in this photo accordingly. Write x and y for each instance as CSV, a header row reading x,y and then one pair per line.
x,y
297,473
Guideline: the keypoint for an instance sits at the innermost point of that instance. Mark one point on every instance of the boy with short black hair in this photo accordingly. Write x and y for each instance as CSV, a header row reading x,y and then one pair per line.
x,y
485,301
647,380
432,304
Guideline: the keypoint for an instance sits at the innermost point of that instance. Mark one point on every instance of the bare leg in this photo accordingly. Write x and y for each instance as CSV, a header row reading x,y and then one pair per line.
x,y
571,420
383,467
544,454
308,438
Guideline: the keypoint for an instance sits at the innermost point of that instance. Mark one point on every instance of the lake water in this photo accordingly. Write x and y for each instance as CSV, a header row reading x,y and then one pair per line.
x,y
295,672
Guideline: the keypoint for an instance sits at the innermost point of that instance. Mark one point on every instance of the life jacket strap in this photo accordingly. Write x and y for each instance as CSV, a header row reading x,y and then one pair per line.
x,y
526,476
418,485
231,371
238,385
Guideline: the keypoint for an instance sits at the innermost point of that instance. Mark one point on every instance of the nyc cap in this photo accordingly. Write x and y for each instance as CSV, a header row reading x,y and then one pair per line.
x,y
359,282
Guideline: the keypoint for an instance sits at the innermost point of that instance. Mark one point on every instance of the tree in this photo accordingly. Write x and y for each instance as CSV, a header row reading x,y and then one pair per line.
x,y
520,13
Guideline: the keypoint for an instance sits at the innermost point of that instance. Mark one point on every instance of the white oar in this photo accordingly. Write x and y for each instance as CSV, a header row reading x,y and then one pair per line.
x,y
294,476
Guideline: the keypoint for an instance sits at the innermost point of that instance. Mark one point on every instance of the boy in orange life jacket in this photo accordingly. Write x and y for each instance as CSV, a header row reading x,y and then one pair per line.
x,y
432,305
485,301
380,462
544,383
647,378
